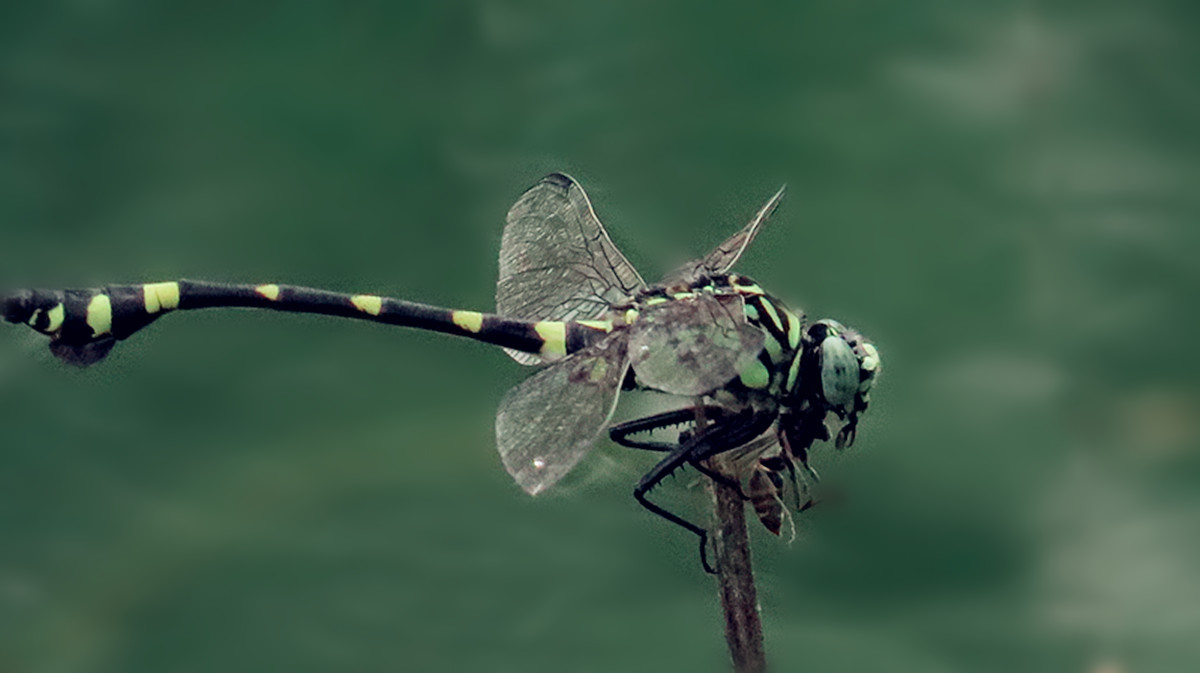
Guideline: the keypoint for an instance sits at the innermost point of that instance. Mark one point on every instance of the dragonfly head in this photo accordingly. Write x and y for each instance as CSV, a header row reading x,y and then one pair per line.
x,y
848,364
836,370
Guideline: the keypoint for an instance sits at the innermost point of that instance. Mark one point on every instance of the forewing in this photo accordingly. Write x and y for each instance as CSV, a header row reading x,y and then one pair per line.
x,y
693,346
557,261
550,421
724,256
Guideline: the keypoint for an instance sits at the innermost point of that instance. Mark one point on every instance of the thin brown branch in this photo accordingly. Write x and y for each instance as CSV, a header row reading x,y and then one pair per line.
x,y
739,598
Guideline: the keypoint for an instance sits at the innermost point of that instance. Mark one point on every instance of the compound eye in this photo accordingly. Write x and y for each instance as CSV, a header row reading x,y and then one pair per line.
x,y
839,373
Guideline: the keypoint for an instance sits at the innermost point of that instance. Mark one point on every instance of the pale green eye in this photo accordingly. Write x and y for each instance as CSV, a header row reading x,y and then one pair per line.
x,y
839,372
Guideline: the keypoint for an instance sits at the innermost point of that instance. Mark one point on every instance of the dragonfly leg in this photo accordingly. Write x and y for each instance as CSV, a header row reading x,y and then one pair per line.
x,y
622,434
724,435
640,495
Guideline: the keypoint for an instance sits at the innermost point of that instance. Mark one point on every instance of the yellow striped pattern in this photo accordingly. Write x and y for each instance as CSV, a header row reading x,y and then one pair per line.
x,y
769,308
598,325
161,297
793,330
793,372
755,376
269,291
554,334
774,349
99,314
471,321
745,285
56,315
368,303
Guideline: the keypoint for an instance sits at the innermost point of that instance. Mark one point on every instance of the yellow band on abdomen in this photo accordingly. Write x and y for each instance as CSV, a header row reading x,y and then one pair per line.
x,y
471,321
99,314
368,303
554,336
161,296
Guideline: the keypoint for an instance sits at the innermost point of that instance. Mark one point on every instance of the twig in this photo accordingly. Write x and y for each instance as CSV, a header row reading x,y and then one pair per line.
x,y
739,598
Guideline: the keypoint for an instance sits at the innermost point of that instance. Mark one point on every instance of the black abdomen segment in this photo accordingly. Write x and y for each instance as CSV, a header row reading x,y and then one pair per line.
x,y
85,324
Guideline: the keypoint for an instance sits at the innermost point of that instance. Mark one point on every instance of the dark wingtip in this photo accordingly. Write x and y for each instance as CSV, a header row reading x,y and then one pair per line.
x,y
773,203
559,179
555,181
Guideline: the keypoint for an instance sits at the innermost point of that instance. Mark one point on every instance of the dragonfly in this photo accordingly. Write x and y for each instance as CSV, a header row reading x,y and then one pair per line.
x,y
758,378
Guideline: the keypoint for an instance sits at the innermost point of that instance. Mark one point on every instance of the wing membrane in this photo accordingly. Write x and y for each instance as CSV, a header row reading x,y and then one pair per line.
x,y
693,346
549,421
724,256
557,261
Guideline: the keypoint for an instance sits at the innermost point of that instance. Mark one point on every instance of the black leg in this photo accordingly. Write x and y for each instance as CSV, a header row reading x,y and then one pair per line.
x,y
719,478
640,495
621,434
726,434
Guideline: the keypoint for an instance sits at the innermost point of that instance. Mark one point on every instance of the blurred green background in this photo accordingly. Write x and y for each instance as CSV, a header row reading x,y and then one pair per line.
x,y
1002,194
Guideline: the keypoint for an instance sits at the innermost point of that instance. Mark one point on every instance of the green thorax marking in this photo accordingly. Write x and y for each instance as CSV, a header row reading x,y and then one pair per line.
x,y
781,326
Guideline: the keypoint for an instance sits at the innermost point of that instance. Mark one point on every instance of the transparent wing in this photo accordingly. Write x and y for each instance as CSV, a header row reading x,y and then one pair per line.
x,y
557,261
693,346
550,420
724,256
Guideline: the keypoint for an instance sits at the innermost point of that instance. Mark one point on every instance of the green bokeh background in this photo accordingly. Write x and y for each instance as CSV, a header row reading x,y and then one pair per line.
x,y
1002,194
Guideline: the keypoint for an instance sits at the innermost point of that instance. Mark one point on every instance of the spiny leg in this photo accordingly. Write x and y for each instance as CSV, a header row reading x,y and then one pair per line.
x,y
725,434
623,432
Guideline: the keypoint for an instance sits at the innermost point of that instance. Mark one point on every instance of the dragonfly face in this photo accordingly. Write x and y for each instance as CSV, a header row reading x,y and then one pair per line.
x,y
757,376
847,364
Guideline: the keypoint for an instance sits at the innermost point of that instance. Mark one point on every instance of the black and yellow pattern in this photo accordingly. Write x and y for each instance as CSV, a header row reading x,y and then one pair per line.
x,y
757,376
83,325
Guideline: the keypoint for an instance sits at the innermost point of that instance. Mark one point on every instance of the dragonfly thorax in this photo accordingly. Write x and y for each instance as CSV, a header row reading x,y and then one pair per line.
x,y
812,369
710,333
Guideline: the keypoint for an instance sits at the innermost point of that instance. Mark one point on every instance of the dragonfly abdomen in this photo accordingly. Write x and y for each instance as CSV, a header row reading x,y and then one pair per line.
x,y
85,324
